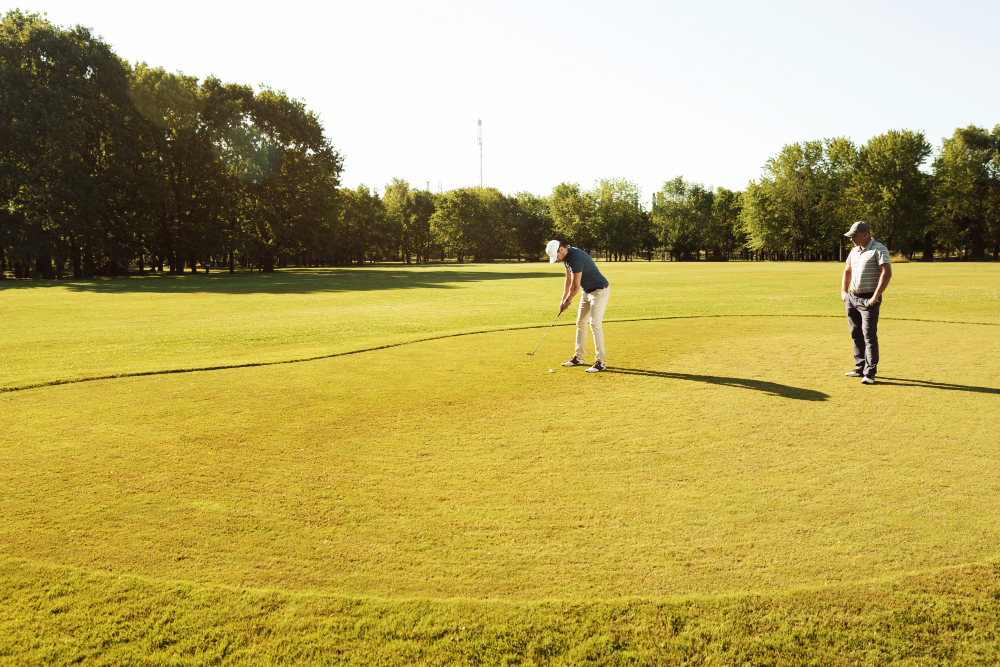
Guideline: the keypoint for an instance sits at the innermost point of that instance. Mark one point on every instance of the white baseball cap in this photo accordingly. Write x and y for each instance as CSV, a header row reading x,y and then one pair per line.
x,y
552,249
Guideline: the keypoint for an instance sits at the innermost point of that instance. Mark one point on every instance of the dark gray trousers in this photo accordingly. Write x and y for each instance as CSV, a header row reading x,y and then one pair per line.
x,y
862,320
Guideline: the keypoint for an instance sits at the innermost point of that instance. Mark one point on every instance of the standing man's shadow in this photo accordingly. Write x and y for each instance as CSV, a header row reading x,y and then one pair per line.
x,y
927,384
772,388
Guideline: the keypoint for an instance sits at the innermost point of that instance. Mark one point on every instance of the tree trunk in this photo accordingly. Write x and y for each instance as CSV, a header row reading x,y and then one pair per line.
x,y
928,247
89,268
75,254
978,245
44,267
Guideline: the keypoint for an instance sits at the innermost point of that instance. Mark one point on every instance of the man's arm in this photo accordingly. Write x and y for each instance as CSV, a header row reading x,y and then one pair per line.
x,y
845,282
570,288
883,282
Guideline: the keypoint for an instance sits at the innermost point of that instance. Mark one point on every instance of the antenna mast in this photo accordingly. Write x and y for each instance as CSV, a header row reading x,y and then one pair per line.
x,y
480,153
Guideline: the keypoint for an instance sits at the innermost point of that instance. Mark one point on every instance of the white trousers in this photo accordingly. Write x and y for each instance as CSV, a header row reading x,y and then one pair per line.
x,y
592,307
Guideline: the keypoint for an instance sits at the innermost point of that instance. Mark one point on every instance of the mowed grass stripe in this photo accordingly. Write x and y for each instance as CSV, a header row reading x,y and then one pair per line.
x,y
77,329
53,383
723,460
948,617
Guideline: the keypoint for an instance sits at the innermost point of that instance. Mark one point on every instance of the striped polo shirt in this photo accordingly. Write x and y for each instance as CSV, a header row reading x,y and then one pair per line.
x,y
865,263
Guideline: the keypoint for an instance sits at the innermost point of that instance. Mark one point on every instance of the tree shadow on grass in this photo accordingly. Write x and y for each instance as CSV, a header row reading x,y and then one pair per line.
x,y
285,281
927,384
771,388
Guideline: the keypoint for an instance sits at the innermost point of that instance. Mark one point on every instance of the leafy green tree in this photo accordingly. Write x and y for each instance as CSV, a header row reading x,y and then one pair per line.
x,y
492,234
285,211
966,188
760,220
682,215
841,155
249,156
573,212
455,214
192,181
799,206
70,148
397,203
531,224
473,221
795,183
619,225
722,235
417,232
362,216
890,190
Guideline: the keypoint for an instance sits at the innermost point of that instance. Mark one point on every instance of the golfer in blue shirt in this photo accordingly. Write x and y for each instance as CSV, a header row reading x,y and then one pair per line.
x,y
582,274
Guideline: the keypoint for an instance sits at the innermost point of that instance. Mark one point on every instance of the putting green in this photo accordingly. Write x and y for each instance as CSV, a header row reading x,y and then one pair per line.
x,y
718,455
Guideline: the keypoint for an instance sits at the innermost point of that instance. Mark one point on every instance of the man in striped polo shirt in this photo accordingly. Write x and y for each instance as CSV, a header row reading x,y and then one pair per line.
x,y
866,276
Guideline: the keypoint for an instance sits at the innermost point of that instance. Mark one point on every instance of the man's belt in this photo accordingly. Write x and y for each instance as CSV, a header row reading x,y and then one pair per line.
x,y
864,295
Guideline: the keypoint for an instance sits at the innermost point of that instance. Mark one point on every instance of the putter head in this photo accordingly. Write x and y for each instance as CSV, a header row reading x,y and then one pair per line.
x,y
530,354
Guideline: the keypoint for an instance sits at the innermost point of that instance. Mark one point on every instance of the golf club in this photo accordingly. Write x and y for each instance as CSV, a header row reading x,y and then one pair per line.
x,y
532,353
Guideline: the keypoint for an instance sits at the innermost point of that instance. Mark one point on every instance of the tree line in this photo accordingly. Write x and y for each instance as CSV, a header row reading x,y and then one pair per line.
x,y
107,167
104,165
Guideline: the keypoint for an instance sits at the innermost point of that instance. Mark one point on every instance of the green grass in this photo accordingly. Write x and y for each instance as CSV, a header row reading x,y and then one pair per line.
x,y
722,496
79,329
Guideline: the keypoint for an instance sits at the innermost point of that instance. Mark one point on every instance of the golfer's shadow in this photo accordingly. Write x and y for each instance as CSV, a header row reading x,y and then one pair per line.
x,y
772,388
927,384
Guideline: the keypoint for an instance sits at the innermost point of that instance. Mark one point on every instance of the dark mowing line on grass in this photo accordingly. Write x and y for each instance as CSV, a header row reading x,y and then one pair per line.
x,y
116,376
898,577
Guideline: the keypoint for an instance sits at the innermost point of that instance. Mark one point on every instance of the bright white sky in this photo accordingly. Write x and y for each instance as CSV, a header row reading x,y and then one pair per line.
x,y
578,91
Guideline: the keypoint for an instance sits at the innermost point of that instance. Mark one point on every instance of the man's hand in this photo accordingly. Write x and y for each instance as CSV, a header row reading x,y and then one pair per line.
x,y
874,300
843,295
564,305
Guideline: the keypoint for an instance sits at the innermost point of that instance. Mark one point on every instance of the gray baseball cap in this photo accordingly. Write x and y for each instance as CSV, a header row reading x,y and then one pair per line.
x,y
857,228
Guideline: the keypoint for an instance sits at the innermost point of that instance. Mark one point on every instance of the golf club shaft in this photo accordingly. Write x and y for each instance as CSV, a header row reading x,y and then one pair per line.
x,y
546,332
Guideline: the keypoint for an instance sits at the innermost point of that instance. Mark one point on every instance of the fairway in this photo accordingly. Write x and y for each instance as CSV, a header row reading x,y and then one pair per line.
x,y
390,504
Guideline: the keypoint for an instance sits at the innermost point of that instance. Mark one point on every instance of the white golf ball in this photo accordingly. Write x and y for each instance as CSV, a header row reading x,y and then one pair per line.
x,y
551,371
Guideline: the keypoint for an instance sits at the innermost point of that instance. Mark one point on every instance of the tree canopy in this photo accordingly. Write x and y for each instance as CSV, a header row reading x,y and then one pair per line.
x,y
107,167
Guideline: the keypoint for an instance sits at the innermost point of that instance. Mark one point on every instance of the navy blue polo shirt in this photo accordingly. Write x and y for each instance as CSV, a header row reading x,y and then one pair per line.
x,y
577,261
